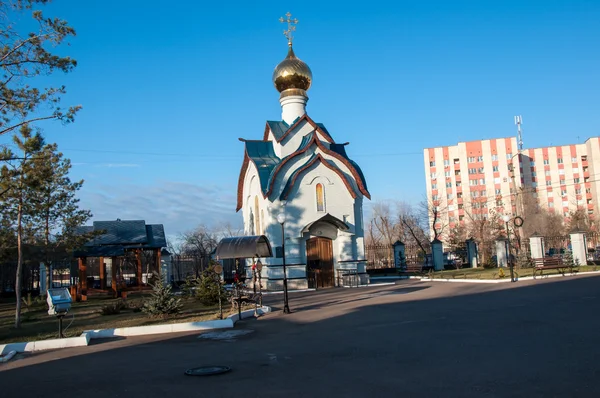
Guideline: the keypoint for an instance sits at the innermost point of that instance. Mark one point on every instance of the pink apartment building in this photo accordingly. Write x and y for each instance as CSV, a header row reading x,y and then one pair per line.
x,y
468,179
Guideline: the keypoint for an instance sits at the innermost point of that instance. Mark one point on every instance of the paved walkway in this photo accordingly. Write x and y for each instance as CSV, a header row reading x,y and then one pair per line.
x,y
412,339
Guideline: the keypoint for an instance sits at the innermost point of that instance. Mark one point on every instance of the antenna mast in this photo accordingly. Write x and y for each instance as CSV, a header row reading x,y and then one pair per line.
x,y
518,121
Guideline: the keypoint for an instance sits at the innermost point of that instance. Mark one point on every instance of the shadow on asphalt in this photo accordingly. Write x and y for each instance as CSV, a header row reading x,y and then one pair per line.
x,y
459,345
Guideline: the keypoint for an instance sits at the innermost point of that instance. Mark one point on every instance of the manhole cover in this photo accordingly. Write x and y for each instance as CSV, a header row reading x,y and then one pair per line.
x,y
207,370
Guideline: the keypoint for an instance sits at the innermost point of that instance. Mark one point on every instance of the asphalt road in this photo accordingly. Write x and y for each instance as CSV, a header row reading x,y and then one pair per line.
x,y
413,339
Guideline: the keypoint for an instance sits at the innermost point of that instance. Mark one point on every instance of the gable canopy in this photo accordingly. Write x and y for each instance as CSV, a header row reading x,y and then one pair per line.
x,y
328,218
244,247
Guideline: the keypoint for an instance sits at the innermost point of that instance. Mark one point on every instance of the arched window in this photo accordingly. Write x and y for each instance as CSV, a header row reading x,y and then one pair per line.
x,y
257,213
320,197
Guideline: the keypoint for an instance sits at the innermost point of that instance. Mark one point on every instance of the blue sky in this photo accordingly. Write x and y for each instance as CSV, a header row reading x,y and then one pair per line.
x,y
168,87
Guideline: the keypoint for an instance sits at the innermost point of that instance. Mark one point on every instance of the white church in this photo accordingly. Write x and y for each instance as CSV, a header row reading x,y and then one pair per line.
x,y
298,174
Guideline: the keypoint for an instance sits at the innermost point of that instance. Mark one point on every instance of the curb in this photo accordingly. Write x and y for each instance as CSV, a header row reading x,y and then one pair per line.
x,y
525,278
86,336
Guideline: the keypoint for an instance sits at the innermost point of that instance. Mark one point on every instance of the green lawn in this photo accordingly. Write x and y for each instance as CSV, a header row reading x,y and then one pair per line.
x,y
38,325
495,273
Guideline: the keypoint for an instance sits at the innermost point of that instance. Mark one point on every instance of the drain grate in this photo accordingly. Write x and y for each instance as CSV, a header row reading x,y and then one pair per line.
x,y
207,371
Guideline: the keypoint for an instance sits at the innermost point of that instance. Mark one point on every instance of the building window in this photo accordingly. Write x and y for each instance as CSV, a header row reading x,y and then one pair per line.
x,y
449,196
473,182
563,192
434,186
559,160
482,181
584,158
495,168
548,183
546,162
456,161
471,159
433,176
494,157
533,174
447,173
446,162
257,215
532,163
578,191
459,195
472,171
432,164
434,197
480,158
320,197
498,191
448,185
508,156
576,180
562,182
547,173
550,204
480,170
573,160
561,172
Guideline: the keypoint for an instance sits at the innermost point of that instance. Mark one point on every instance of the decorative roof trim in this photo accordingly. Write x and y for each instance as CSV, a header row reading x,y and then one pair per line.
x,y
304,117
346,162
317,158
240,191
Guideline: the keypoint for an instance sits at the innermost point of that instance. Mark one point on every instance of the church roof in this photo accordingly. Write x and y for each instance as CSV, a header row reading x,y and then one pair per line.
x,y
341,149
268,164
115,236
281,129
264,158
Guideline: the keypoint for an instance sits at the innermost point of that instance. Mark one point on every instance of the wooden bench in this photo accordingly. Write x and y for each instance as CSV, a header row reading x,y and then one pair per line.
x,y
541,264
416,268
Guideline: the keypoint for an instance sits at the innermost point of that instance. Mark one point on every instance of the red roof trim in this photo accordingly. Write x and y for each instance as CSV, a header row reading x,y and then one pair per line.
x,y
336,155
240,190
293,126
329,166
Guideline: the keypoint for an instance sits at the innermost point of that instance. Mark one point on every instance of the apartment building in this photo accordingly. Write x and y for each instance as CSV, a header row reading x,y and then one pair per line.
x,y
466,180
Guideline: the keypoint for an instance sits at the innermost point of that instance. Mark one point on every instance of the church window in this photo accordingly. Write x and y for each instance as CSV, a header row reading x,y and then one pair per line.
x,y
320,197
257,213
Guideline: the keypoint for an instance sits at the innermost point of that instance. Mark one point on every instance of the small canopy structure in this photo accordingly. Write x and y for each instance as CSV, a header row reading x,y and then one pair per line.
x,y
244,247
328,218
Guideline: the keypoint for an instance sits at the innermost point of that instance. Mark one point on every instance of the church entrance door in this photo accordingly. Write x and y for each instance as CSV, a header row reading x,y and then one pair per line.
x,y
319,256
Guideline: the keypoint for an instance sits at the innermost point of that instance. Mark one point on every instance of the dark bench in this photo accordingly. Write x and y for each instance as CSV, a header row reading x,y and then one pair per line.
x,y
541,264
416,268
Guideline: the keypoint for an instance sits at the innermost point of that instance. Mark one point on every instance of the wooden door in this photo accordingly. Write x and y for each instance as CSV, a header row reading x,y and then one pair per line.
x,y
319,256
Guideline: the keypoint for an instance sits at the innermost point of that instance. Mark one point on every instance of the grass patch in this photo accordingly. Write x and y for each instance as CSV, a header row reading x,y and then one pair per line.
x,y
38,325
494,273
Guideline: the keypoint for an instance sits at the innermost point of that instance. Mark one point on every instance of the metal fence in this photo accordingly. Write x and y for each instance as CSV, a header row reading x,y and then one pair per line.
x,y
382,256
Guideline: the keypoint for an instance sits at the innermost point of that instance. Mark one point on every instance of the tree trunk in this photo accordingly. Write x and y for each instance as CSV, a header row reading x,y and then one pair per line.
x,y
19,277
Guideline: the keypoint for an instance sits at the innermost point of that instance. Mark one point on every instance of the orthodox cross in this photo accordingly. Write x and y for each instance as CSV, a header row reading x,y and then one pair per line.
x,y
291,26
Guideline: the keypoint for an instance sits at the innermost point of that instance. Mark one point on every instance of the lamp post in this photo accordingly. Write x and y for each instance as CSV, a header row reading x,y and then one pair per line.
x,y
281,220
506,219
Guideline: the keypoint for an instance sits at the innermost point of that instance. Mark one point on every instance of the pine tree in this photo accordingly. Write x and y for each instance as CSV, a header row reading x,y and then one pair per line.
x,y
162,302
210,287
57,213
567,258
18,179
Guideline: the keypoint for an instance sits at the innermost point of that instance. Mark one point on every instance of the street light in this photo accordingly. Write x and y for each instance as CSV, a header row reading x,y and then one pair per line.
x,y
506,219
281,220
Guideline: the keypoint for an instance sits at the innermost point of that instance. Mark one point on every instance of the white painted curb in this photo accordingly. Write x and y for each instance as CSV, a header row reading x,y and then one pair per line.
x,y
87,335
507,279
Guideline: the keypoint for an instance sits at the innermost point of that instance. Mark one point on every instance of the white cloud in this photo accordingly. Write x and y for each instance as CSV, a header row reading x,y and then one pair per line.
x,y
178,206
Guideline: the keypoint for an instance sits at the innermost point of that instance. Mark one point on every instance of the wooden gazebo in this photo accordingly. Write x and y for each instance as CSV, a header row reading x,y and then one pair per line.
x,y
124,242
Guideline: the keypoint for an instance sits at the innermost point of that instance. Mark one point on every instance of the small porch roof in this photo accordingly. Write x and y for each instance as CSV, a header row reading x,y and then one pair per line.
x,y
244,247
328,218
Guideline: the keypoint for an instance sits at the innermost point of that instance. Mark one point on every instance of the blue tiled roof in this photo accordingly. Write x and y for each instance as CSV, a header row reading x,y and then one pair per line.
x,y
264,158
118,235
341,149
278,128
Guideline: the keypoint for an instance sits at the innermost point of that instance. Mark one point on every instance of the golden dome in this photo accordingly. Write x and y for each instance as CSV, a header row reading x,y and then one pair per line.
x,y
292,73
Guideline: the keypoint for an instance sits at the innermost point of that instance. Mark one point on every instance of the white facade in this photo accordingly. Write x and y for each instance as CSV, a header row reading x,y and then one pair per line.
x,y
297,169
